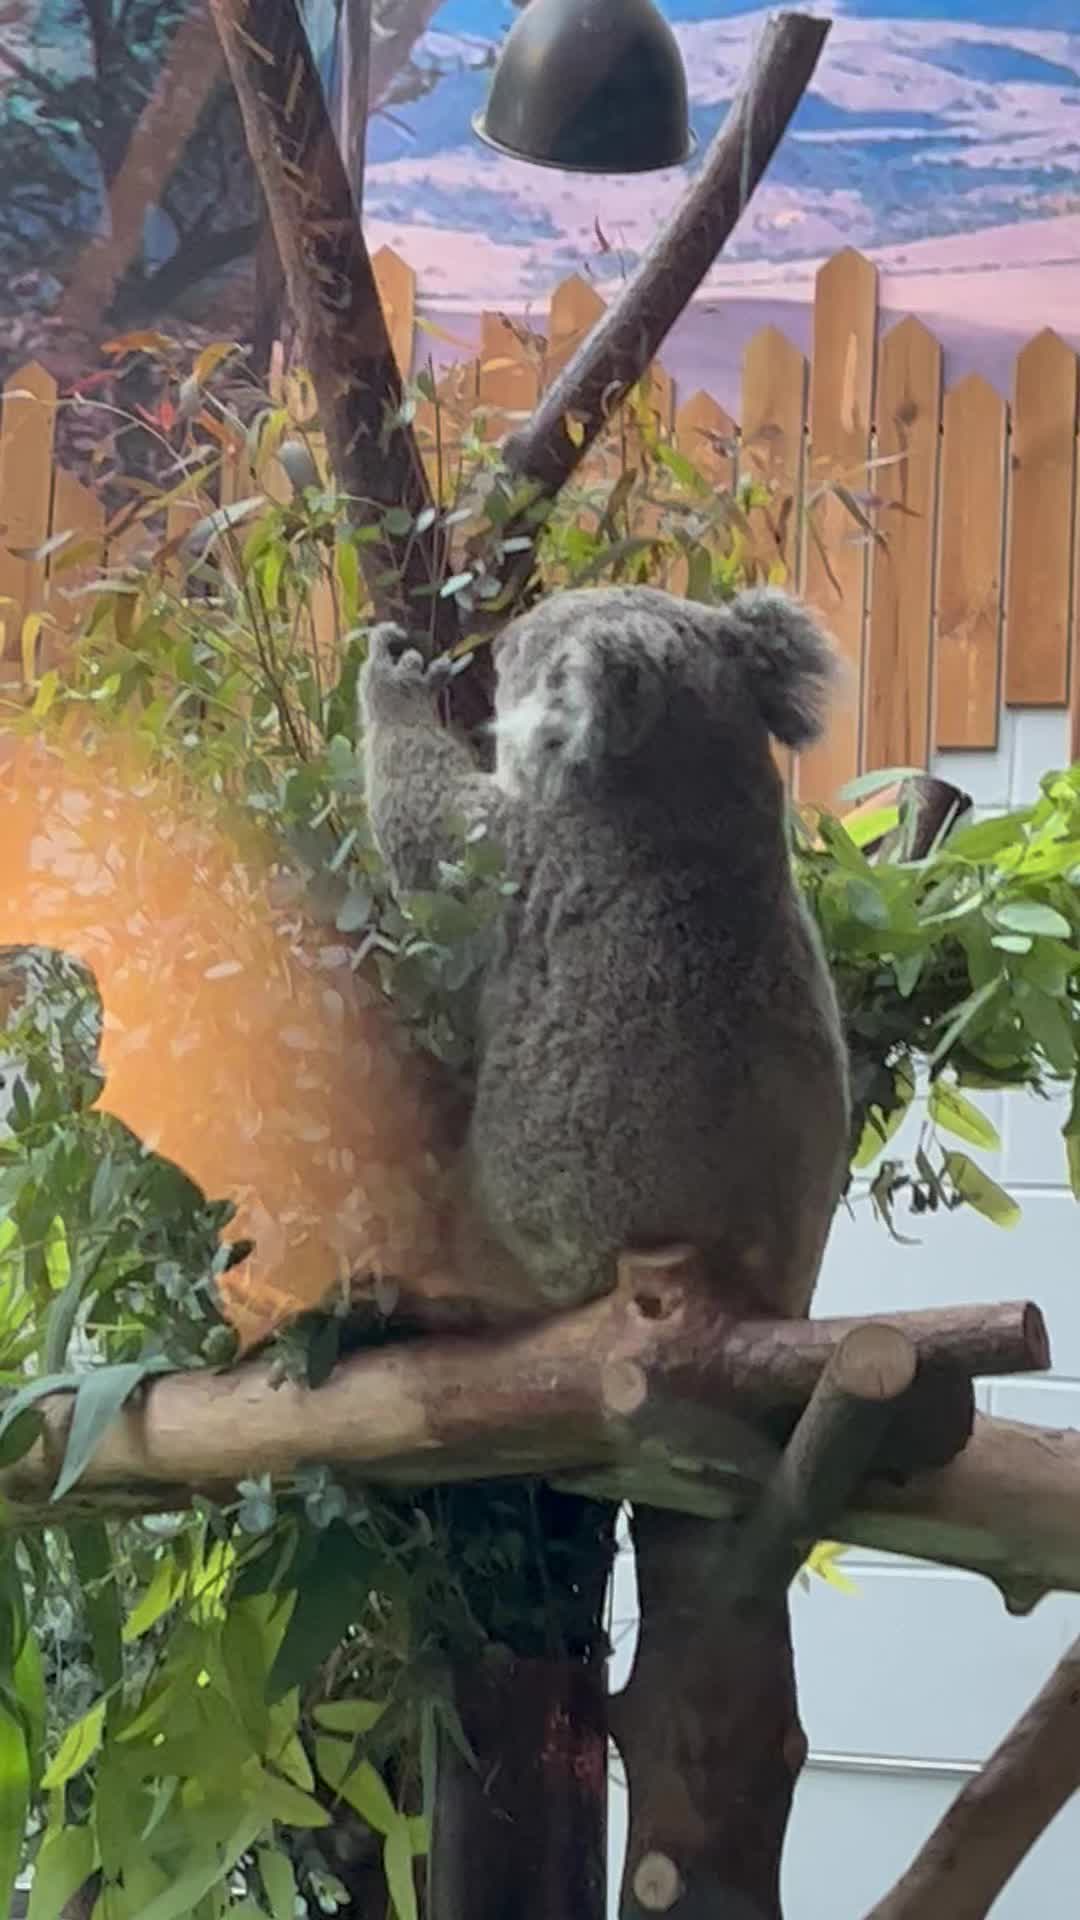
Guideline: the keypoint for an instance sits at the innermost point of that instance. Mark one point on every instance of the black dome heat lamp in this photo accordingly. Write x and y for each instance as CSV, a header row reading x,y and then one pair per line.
x,y
591,86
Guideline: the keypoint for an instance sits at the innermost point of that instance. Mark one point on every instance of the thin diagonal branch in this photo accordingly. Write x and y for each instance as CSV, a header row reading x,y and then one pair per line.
x,y
626,338
997,1817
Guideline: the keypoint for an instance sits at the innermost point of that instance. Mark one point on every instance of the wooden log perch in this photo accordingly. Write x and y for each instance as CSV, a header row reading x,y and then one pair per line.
x,y
651,1368
998,1815
597,1399
335,300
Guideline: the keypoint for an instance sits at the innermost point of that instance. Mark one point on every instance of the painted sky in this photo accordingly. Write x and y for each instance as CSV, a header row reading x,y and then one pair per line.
x,y
940,136
943,140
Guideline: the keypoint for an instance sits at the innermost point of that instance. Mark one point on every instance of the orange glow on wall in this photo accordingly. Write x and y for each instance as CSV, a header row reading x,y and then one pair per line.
x,y
238,1040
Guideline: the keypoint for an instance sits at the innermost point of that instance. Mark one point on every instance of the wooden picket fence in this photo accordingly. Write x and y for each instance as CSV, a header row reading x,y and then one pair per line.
x,y
970,600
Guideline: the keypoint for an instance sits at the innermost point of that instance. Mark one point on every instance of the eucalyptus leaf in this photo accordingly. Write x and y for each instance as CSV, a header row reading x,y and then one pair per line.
x,y
980,1192
867,903
79,1745
984,838
1049,1026
968,1010
290,1806
279,1882
1033,916
398,1866
949,1109
868,784
99,1397
349,1716
14,1802
154,1603
332,1597
64,1863
361,1785
180,1900
101,1601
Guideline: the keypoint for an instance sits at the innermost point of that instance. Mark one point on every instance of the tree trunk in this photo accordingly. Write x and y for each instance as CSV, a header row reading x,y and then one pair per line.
x,y
709,1725
521,1834
709,1733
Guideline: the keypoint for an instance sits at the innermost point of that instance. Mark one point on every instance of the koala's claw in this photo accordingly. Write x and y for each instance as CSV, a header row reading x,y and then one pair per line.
x,y
440,673
396,676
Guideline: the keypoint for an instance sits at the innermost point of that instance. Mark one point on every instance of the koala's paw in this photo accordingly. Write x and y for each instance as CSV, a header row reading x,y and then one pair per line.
x,y
396,680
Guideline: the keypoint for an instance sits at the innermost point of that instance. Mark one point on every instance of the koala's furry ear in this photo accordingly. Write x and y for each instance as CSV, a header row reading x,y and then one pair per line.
x,y
789,660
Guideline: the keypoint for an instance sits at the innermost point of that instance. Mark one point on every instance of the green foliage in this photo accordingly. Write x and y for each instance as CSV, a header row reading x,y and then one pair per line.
x,y
962,968
190,1706
99,1238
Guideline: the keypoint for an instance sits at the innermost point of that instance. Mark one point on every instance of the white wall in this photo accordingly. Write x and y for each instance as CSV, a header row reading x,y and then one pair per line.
x,y
907,1685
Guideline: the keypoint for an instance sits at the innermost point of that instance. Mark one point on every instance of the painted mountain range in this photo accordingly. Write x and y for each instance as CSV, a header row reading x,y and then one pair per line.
x,y
943,140
940,136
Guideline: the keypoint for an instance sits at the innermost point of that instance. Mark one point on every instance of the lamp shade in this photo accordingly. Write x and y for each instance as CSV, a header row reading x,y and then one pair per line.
x,y
593,86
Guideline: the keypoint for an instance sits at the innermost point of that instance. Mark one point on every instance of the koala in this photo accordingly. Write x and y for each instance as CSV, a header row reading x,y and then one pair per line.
x,y
659,1051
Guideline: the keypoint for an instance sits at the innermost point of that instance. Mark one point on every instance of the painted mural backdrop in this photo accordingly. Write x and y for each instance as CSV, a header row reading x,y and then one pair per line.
x,y
942,138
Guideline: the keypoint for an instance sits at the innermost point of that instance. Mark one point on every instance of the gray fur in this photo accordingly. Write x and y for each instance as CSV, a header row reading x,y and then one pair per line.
x,y
660,1057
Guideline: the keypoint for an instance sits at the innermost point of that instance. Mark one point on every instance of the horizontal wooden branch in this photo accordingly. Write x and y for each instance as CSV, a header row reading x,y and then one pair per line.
x,y
652,1366
648,1394
999,1814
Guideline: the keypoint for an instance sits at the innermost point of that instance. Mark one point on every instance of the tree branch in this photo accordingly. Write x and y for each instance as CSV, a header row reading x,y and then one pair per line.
x,y
836,1440
622,345
626,338
392,45
648,1394
335,300
204,251
191,70
998,1816
352,89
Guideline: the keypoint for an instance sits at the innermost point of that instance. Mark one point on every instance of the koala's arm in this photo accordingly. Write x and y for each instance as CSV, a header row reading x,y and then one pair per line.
x,y
423,787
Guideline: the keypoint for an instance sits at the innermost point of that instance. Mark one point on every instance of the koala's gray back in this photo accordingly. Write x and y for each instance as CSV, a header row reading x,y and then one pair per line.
x,y
661,1059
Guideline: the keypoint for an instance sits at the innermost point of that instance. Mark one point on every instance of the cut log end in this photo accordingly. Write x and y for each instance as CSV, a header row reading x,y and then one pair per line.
x,y
874,1363
657,1883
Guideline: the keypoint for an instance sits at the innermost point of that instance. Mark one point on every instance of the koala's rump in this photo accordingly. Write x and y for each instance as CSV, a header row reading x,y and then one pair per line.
x,y
653,1072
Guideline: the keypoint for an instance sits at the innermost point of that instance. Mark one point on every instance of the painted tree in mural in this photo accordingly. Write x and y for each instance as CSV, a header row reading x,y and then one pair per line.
x,y
126,107
516,1752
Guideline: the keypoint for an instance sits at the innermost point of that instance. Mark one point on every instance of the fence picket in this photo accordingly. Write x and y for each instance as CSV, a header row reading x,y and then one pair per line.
x,y
771,447
508,377
27,426
981,522
971,546
396,282
77,512
841,409
1039,583
897,707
